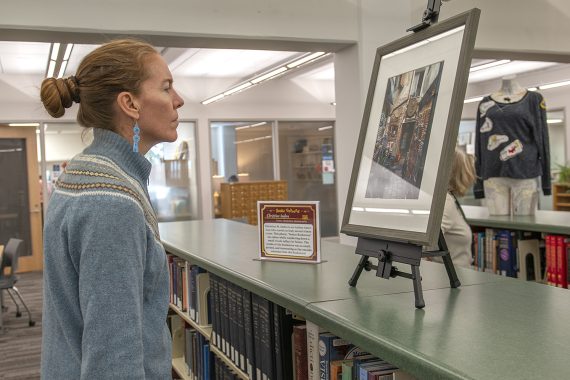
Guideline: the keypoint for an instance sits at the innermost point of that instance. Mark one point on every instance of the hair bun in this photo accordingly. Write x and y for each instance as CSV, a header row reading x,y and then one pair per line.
x,y
59,94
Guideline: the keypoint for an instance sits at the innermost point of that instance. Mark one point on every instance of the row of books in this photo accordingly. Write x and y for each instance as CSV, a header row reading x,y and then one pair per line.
x,y
191,346
189,289
557,257
330,357
526,255
254,333
262,339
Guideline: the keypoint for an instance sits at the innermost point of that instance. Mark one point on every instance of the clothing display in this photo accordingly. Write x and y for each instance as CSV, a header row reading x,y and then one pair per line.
x,y
106,275
508,195
511,141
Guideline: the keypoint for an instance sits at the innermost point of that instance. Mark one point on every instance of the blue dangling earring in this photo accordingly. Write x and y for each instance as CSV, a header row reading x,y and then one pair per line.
x,y
136,137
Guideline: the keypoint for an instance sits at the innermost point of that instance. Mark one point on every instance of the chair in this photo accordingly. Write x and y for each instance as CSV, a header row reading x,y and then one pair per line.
x,y
8,281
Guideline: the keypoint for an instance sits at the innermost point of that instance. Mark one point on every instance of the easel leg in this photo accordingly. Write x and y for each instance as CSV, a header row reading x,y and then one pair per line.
x,y
418,291
361,265
450,268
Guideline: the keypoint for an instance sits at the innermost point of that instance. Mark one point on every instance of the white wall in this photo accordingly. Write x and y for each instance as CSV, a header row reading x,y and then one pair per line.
x,y
517,25
292,19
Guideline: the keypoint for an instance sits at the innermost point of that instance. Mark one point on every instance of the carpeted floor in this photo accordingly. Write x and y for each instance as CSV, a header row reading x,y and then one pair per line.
x,y
20,344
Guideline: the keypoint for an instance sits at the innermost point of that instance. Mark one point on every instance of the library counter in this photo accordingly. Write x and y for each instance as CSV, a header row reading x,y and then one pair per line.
x,y
490,327
553,222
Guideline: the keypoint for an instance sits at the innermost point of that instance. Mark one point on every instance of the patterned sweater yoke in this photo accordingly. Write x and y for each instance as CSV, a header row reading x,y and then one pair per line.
x,y
91,174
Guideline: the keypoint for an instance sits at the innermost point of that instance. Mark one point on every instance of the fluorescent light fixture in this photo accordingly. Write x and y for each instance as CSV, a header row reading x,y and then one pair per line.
x,y
420,212
554,85
425,42
448,33
62,69
408,48
387,210
489,65
305,59
24,124
554,121
532,88
243,174
269,75
217,176
358,209
54,51
213,99
238,88
252,140
473,100
251,126
325,128
68,50
51,69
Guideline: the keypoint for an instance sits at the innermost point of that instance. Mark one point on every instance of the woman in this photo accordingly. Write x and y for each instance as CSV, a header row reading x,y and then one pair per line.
x,y
455,229
105,271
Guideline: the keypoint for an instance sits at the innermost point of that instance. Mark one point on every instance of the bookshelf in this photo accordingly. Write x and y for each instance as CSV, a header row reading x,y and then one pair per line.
x,y
179,365
561,196
489,317
229,363
553,222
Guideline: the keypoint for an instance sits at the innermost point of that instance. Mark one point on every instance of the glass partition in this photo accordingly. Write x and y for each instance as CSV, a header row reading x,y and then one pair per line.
x,y
173,183
242,151
306,160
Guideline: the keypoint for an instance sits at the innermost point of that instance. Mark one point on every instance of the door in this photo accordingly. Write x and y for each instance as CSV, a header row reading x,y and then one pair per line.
x,y
20,208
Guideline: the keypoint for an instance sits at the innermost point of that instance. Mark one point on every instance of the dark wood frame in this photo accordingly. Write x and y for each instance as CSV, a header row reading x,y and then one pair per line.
x,y
470,19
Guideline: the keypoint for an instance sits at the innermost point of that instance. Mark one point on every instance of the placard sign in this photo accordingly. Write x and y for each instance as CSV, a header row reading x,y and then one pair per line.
x,y
289,231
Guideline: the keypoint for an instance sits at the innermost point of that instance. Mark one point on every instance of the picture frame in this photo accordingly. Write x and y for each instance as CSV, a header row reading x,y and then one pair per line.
x,y
408,133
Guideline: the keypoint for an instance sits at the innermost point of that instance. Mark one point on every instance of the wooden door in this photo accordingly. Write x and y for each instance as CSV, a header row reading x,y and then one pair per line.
x,y
20,203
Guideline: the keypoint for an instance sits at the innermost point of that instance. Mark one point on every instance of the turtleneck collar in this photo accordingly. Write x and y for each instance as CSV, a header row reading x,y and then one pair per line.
x,y
110,144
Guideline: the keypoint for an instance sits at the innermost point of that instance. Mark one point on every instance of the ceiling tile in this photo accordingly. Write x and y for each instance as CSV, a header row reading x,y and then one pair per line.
x,y
230,62
23,57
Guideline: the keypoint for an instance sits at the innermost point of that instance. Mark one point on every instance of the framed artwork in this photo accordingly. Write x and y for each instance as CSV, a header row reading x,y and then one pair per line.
x,y
408,134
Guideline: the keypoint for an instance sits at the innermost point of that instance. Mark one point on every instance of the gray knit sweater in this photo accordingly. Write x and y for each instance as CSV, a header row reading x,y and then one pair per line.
x,y
105,271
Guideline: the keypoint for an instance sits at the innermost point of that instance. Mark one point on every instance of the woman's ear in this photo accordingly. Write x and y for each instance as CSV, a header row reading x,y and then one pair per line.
x,y
128,105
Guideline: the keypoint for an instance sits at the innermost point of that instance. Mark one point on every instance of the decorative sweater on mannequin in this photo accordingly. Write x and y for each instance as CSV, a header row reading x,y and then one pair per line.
x,y
511,137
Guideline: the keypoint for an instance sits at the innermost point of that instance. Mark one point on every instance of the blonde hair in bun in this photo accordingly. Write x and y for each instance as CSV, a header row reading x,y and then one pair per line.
x,y
57,94
114,67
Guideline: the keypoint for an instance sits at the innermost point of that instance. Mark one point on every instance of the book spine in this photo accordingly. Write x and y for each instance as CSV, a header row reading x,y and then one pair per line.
x,y
248,332
214,310
232,323
313,350
257,335
224,315
240,329
549,266
300,352
560,262
567,250
267,344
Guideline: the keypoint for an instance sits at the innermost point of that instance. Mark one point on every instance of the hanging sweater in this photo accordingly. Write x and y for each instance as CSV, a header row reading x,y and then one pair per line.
x,y
511,140
105,272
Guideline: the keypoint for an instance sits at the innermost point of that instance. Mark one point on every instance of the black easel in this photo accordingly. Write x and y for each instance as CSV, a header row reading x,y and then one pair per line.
x,y
388,252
